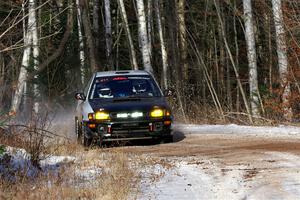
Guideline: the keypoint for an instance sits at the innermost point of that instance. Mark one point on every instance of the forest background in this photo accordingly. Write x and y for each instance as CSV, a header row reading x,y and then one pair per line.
x,y
225,60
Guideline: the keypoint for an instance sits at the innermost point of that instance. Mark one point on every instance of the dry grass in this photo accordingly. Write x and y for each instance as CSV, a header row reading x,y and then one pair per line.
x,y
97,173
115,179
94,175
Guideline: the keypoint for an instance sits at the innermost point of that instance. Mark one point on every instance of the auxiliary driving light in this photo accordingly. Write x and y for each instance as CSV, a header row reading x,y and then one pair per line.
x,y
122,115
136,114
157,113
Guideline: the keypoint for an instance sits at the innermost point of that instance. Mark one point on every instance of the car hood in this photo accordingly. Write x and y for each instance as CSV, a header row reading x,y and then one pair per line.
x,y
128,104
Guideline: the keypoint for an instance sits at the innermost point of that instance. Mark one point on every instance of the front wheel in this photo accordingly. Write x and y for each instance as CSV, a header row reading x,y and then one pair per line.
x,y
168,139
85,140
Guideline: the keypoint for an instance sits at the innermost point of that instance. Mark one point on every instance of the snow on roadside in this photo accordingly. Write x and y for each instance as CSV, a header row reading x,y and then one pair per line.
x,y
276,178
18,161
190,181
279,131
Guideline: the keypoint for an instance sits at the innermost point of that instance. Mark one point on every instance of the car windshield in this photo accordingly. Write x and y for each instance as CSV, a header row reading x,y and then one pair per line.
x,y
124,86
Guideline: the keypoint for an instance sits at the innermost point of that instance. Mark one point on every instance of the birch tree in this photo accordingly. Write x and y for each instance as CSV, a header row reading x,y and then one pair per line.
x,y
143,37
282,57
96,27
89,36
128,34
149,25
81,44
108,34
182,38
237,75
36,53
164,54
251,53
16,100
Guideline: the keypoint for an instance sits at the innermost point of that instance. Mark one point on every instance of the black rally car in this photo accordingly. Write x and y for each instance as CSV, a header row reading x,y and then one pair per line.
x,y
122,105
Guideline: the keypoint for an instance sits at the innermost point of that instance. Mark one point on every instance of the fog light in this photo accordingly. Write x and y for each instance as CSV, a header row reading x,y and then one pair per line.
x,y
157,113
101,115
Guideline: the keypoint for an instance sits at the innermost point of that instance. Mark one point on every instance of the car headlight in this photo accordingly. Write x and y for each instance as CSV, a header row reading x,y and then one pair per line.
x,y
157,113
101,115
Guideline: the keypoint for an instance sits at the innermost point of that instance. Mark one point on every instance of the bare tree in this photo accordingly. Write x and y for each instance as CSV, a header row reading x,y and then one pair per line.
x,y
150,25
128,34
36,53
237,75
96,27
108,34
182,38
81,44
16,100
251,52
143,37
89,36
164,54
282,57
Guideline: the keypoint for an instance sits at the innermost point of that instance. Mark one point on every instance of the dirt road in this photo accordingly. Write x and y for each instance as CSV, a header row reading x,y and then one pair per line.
x,y
217,166
221,162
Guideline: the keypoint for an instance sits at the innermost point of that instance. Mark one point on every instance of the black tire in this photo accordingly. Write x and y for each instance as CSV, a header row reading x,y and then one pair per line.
x,y
78,130
168,139
158,140
85,140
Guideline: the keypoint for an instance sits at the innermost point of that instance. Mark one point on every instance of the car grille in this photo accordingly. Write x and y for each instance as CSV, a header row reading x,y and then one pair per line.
x,y
130,128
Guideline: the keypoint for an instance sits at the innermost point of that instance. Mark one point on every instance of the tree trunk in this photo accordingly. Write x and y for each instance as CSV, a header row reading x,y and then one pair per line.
x,y
16,100
108,35
89,36
282,57
182,38
251,53
36,54
221,63
128,34
173,47
81,45
143,35
149,25
26,88
236,53
2,87
233,63
96,27
162,45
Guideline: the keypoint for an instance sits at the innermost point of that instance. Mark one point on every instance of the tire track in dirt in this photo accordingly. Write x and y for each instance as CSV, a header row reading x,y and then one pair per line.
x,y
228,167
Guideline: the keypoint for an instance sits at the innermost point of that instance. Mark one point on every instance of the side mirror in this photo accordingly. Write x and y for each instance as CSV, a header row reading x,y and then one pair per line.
x,y
80,96
168,93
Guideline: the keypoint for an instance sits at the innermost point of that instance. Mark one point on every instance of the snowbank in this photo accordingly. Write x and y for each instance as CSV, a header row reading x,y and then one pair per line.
x,y
237,129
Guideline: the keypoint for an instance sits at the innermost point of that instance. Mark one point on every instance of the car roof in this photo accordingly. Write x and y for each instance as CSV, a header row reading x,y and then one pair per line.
x,y
121,72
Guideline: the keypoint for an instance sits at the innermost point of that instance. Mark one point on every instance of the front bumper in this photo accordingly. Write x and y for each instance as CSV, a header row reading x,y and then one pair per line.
x,y
130,130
